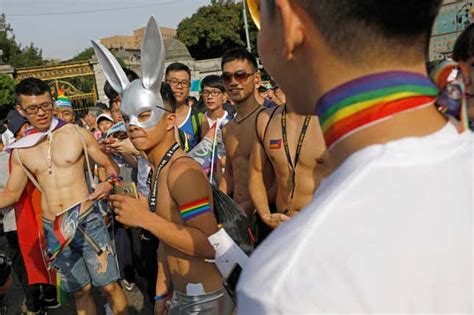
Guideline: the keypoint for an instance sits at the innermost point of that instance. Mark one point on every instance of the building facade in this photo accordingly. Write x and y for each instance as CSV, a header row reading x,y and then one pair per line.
x,y
453,18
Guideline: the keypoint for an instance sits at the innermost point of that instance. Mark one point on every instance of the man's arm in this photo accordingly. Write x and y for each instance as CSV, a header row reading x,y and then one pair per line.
x,y
191,237
163,287
97,155
15,185
226,185
257,165
204,127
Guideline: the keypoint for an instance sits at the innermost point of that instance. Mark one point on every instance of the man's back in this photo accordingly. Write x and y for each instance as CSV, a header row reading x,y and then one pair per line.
x,y
408,247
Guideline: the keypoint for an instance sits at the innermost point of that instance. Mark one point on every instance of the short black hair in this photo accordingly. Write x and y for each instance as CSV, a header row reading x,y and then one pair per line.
x,y
102,106
178,66
111,93
213,81
168,96
464,46
355,28
31,87
239,54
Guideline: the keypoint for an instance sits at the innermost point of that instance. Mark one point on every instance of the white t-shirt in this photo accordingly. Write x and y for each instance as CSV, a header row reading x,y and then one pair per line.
x,y
390,231
144,168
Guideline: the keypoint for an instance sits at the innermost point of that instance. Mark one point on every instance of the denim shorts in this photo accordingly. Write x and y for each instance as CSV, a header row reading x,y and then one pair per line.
x,y
78,264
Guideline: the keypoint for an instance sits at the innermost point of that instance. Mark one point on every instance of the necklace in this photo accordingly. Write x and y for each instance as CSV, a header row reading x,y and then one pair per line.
x,y
293,165
246,117
363,102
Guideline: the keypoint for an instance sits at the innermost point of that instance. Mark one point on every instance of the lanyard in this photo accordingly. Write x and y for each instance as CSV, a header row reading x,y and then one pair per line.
x,y
292,165
164,161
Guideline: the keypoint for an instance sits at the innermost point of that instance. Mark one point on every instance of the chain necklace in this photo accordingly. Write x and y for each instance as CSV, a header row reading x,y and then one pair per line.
x,y
246,117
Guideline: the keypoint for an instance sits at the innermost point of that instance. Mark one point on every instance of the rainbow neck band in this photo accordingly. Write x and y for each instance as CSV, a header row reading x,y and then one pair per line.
x,y
365,101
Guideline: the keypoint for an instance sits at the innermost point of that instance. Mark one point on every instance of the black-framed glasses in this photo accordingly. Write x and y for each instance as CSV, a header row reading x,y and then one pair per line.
x,y
33,109
213,93
176,82
239,76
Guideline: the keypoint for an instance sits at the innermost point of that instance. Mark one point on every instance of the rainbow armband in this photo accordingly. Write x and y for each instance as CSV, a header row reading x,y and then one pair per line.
x,y
194,209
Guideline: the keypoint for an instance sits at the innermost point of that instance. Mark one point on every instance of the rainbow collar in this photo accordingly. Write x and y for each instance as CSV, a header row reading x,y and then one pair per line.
x,y
362,102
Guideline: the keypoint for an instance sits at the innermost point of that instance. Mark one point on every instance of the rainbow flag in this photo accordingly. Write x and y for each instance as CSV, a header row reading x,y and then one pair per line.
x,y
64,228
275,144
195,209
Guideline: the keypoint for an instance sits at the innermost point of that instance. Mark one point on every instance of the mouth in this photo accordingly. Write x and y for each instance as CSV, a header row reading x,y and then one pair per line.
x,y
42,120
235,90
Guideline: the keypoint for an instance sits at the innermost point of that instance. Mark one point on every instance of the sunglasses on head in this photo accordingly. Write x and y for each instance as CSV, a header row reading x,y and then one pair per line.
x,y
254,8
239,76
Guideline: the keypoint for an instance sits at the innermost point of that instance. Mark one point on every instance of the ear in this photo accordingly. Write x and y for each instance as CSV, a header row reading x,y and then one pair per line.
x,y
112,69
292,28
257,78
171,121
152,57
19,110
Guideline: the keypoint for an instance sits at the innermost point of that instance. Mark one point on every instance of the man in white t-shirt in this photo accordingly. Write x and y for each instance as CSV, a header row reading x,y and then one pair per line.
x,y
390,230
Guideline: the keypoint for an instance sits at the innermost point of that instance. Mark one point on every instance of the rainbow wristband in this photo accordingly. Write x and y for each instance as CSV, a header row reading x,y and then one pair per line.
x,y
161,297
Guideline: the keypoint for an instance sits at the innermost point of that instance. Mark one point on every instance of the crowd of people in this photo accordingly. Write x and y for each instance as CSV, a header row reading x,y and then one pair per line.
x,y
355,185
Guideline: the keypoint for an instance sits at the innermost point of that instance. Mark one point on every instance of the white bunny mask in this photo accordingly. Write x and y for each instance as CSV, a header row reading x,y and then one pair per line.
x,y
143,95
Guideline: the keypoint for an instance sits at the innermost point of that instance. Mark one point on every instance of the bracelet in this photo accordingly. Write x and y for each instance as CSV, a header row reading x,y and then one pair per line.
x,y
113,179
161,297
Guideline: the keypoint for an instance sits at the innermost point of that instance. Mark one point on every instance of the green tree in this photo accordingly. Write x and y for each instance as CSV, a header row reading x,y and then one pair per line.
x,y
7,94
214,29
84,55
13,53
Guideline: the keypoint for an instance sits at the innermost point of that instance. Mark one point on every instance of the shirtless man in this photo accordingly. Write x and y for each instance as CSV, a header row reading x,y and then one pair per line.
x,y
57,163
240,75
184,248
308,170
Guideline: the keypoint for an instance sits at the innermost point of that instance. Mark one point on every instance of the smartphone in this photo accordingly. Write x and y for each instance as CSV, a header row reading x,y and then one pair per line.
x,y
121,135
127,189
230,282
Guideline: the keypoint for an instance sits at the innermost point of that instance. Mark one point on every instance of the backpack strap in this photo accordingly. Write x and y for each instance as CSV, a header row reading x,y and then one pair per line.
x,y
27,172
196,121
86,155
262,140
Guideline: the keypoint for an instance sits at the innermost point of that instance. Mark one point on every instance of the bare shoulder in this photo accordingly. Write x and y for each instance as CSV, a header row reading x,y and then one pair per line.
x,y
185,176
183,166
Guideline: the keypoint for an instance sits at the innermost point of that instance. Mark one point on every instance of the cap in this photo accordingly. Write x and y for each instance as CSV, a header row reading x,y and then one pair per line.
x,y
16,122
104,116
62,100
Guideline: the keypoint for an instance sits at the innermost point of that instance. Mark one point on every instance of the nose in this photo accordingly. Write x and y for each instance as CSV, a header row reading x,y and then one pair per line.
x,y
132,128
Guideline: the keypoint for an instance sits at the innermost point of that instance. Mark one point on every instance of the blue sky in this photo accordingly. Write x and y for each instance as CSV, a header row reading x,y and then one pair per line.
x,y
62,28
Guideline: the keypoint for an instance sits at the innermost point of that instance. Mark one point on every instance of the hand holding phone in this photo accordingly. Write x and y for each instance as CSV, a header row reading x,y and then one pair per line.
x,y
127,189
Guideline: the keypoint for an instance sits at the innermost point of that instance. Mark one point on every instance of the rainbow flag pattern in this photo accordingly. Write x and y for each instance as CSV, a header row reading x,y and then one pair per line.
x,y
194,209
275,144
365,101
64,228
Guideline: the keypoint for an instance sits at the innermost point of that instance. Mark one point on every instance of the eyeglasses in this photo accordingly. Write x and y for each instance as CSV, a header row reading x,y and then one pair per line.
x,y
33,109
254,8
213,93
175,82
239,76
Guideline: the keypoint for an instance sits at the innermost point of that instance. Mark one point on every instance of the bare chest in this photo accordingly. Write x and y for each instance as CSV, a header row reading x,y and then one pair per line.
x,y
62,152
165,205
239,139
296,146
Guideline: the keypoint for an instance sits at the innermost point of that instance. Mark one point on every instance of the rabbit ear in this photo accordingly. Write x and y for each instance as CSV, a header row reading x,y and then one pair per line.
x,y
112,69
152,57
